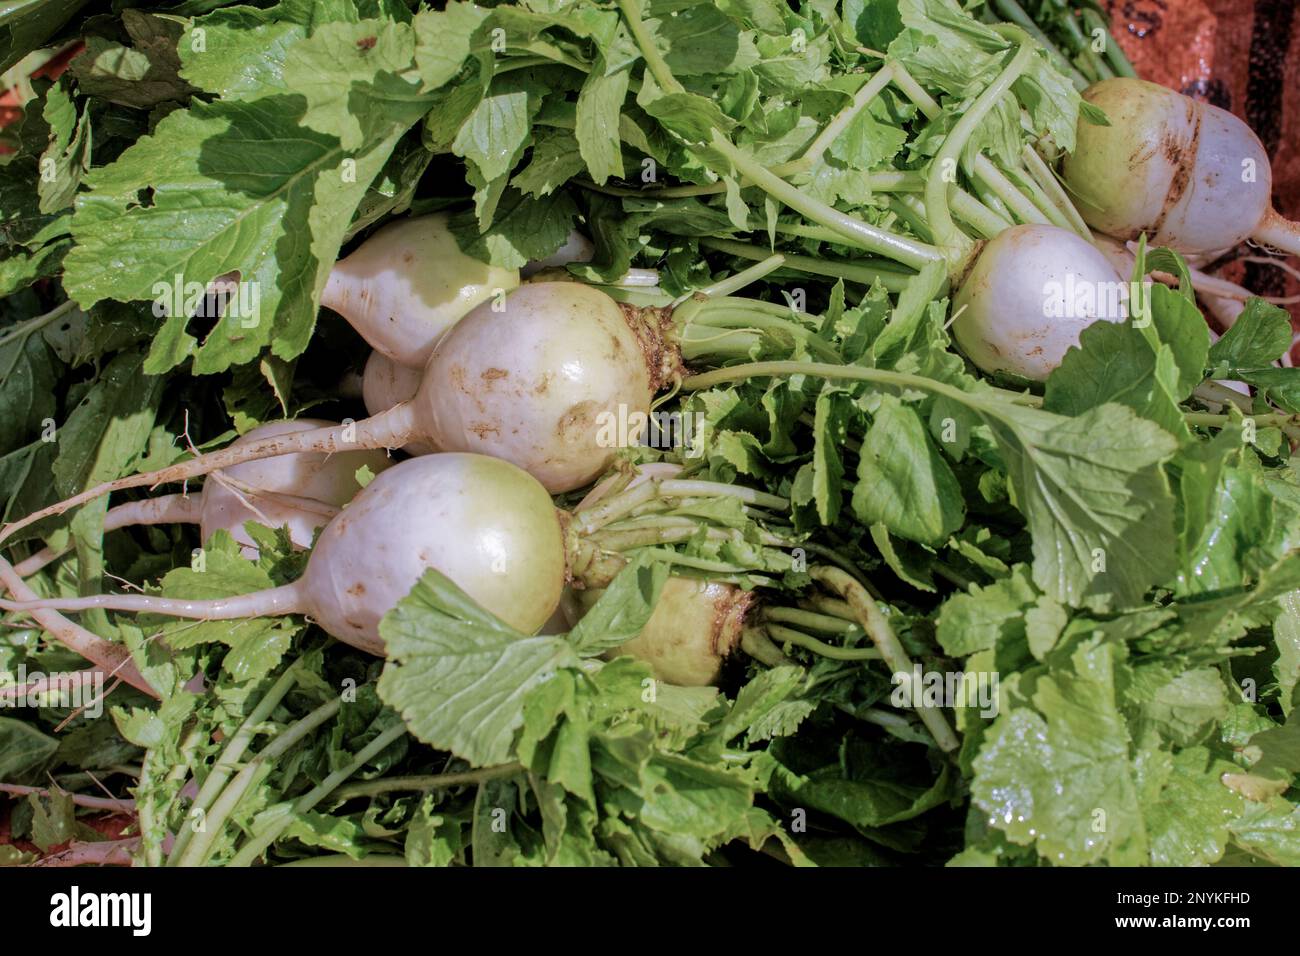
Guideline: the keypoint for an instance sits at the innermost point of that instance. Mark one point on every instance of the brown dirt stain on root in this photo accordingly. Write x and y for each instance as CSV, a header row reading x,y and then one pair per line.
x,y
1183,159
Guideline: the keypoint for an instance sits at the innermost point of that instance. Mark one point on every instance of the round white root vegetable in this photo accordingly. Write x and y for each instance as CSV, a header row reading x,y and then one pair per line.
x,y
1190,175
406,285
301,491
485,524
577,248
385,384
1031,292
535,383
694,627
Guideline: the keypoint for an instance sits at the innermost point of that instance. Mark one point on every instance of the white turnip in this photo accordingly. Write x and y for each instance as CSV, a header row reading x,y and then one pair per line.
x,y
406,285
533,386
1031,292
1190,175
530,384
541,382
488,526
694,627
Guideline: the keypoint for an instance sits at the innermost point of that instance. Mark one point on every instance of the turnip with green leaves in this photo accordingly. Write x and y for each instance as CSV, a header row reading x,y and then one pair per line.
x,y
1189,175
488,526
694,627
484,523
535,382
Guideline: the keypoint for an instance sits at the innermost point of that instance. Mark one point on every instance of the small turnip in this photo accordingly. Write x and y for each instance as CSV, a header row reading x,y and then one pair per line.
x,y
407,284
694,627
1031,292
488,526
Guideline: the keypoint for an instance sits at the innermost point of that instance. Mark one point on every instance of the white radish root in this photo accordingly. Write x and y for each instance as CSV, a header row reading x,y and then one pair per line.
x,y
694,627
1190,175
533,384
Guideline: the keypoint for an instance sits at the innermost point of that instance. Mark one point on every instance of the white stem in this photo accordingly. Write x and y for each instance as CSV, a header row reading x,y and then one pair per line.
x,y
168,509
391,429
271,602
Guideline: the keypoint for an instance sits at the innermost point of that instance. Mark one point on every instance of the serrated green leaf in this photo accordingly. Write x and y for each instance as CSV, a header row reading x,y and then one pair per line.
x,y
459,683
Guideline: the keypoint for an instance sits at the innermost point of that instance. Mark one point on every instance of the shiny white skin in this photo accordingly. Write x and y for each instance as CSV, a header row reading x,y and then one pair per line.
x,y
1004,309
1190,175
534,384
407,284
485,524
384,384
577,248
302,490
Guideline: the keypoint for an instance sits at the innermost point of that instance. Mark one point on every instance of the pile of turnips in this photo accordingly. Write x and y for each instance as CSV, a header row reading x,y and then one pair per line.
x,y
529,378
487,525
498,382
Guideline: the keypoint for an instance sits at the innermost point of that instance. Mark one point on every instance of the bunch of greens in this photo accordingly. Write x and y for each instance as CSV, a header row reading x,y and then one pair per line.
x,y
1114,548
